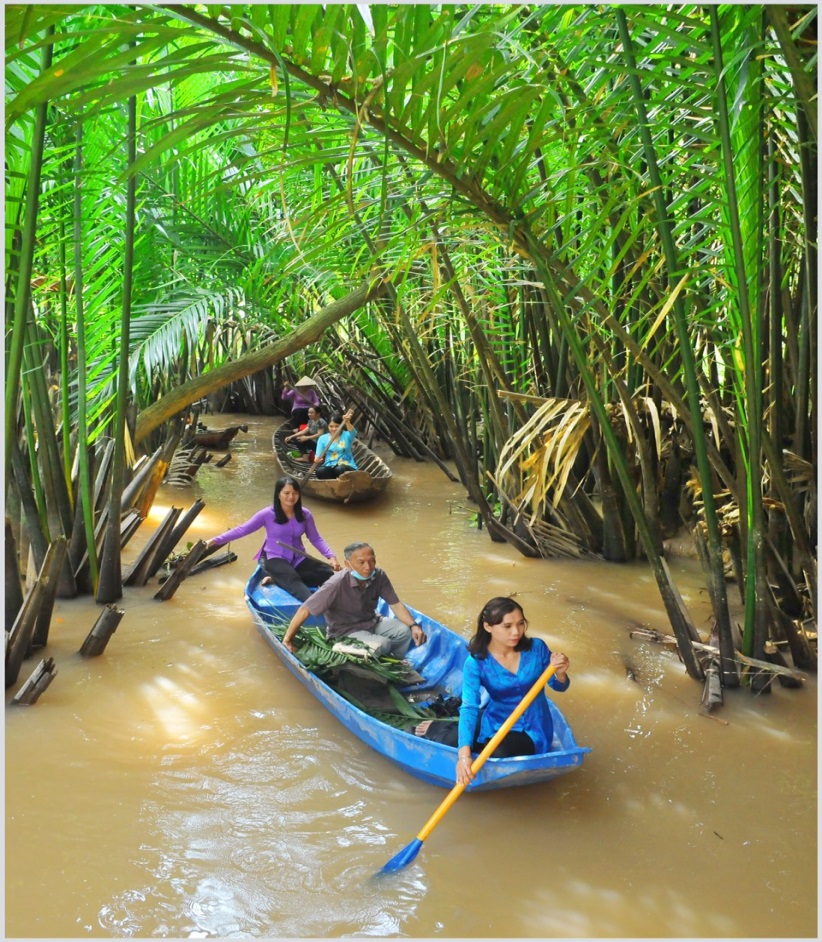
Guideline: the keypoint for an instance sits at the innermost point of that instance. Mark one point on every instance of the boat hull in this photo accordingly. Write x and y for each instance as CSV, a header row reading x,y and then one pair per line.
x,y
218,438
371,479
440,661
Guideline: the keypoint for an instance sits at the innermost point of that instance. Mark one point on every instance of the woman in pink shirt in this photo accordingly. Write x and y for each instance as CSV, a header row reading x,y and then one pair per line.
x,y
302,395
282,555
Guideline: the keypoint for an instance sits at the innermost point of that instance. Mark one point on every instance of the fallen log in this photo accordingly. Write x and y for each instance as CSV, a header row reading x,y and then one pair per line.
x,y
40,678
651,634
218,437
185,464
205,564
105,626
185,565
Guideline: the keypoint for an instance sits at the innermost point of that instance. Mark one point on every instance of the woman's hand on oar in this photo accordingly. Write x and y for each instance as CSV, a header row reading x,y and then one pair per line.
x,y
409,853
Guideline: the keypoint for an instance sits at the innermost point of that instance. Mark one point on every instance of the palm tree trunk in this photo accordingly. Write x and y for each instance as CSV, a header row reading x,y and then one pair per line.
x,y
17,334
681,623
86,495
37,537
110,587
13,582
756,610
307,333
664,225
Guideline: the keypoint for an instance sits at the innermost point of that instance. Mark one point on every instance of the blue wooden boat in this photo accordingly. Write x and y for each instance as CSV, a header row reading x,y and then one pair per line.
x,y
440,662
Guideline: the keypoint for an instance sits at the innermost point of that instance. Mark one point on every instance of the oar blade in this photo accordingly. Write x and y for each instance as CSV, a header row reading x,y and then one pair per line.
x,y
403,858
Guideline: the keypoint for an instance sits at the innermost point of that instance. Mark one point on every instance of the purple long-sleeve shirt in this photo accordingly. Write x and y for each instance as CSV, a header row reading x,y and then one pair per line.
x,y
290,532
301,398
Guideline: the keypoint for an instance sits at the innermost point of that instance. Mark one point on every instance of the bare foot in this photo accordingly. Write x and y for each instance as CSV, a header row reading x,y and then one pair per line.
x,y
266,580
422,728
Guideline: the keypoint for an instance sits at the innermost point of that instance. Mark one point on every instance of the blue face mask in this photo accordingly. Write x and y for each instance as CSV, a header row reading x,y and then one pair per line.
x,y
356,575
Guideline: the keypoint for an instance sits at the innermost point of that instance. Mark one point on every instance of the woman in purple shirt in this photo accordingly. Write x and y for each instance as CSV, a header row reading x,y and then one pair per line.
x,y
285,523
302,395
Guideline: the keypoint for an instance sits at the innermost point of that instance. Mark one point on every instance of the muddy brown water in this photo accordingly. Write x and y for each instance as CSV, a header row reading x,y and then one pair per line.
x,y
184,784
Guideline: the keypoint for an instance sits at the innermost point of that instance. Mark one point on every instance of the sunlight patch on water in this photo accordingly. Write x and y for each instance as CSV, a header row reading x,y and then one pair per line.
x,y
560,912
178,710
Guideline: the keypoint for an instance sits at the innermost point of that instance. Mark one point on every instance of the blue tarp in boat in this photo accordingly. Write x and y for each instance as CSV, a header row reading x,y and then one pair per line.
x,y
440,662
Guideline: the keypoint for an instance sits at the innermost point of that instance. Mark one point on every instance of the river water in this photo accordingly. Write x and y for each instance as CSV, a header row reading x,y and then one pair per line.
x,y
185,785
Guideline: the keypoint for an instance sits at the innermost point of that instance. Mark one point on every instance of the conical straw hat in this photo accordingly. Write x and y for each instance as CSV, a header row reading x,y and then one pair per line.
x,y
305,381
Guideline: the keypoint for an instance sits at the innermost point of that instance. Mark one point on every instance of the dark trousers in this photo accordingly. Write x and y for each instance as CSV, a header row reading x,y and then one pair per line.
x,y
299,417
296,580
326,472
515,743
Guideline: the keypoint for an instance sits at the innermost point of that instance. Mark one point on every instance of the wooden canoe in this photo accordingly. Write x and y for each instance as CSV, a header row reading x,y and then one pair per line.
x,y
218,437
370,479
440,662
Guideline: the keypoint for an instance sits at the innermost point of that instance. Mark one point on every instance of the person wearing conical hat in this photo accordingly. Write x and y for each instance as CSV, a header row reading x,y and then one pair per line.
x,y
301,395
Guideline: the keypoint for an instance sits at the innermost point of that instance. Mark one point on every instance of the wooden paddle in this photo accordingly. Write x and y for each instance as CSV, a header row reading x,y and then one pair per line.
x,y
409,853
295,549
318,460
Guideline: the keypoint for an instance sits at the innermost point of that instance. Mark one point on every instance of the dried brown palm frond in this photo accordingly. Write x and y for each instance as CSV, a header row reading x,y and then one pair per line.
x,y
535,463
552,542
799,472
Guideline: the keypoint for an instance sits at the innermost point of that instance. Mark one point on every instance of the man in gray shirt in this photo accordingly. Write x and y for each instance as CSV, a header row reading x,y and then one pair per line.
x,y
348,600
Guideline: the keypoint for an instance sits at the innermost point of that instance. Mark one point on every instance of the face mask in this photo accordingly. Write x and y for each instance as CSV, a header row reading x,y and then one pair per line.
x,y
356,575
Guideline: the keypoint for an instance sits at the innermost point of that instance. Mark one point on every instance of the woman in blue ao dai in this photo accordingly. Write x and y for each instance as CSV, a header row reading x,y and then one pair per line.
x,y
507,663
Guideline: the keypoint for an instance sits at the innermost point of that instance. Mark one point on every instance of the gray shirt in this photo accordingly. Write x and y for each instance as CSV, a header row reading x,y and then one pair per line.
x,y
350,604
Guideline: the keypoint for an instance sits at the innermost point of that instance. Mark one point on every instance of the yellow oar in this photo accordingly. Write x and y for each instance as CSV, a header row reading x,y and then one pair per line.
x,y
407,854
